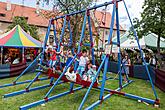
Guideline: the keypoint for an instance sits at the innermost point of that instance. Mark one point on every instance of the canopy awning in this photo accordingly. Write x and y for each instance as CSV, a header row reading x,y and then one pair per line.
x,y
17,37
132,44
149,40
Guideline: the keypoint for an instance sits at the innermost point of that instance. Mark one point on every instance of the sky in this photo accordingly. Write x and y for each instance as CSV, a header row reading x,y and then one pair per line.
x,y
134,7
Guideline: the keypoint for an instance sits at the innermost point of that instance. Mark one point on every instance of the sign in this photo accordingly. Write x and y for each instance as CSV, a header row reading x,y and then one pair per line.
x,y
108,49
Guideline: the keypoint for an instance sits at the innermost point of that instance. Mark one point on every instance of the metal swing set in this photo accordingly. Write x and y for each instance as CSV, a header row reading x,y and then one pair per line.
x,y
61,78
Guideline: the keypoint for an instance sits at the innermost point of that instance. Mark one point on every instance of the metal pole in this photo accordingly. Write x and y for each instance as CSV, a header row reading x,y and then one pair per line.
x,y
91,8
81,38
90,87
91,38
135,34
43,51
71,37
118,46
23,54
104,77
1,55
65,69
62,34
55,35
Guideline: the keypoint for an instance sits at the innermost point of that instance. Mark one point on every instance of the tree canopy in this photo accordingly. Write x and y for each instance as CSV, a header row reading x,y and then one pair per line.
x,y
152,20
69,6
22,21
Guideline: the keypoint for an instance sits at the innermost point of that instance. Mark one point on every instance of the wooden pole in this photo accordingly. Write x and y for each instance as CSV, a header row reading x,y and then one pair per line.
x,y
1,54
23,54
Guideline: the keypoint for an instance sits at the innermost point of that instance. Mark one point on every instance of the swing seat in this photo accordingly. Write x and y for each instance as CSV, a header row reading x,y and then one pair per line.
x,y
78,81
56,75
84,83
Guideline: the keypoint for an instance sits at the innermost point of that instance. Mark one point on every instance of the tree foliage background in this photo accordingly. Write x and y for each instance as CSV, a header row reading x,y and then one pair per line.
x,y
22,21
69,6
62,7
152,20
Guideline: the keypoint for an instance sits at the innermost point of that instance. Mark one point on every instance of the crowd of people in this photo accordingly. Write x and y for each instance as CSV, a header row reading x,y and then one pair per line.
x,y
85,68
15,56
11,58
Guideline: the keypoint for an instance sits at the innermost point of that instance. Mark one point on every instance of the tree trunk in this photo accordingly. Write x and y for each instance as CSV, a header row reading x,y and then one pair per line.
x,y
158,44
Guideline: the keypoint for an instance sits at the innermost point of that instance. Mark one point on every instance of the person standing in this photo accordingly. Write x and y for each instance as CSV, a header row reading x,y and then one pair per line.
x,y
126,62
152,61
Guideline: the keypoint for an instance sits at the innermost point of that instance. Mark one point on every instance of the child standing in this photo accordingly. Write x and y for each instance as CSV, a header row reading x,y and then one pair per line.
x,y
53,58
82,62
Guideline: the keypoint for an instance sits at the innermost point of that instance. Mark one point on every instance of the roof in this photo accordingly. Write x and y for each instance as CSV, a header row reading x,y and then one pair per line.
x,y
100,15
151,41
131,43
39,20
17,37
18,10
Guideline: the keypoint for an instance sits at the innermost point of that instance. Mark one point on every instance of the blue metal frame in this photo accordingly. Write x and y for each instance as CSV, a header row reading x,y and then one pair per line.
x,y
104,77
118,46
27,68
62,34
141,53
90,87
21,82
27,91
43,51
25,107
55,35
91,107
104,62
107,56
80,41
91,38
91,8
71,38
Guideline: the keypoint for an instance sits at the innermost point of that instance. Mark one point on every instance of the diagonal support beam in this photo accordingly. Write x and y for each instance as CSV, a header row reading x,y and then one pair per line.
x,y
22,82
25,107
27,91
106,97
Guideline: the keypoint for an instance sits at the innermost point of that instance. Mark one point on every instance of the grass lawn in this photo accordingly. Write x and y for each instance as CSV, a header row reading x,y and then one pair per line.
x,y
72,101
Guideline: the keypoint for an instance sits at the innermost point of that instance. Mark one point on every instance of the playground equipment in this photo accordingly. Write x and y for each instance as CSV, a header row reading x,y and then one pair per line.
x,y
61,78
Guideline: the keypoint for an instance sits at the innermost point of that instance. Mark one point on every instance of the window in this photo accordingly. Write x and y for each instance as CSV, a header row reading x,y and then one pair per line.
x,y
51,39
106,32
2,15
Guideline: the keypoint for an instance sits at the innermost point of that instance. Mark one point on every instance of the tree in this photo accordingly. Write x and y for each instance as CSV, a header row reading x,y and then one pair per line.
x,y
66,7
22,21
153,20
69,6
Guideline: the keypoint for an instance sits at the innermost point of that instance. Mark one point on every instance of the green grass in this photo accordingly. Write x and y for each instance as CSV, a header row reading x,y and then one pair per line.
x,y
72,101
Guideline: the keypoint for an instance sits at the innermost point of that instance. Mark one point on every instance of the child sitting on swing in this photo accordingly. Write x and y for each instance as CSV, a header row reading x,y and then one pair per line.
x,y
90,74
82,62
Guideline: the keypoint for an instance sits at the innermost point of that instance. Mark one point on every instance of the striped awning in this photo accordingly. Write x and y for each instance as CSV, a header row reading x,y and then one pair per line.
x,y
17,37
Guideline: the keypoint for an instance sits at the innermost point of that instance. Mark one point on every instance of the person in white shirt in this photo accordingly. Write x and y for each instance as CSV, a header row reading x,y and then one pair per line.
x,y
16,60
82,62
152,61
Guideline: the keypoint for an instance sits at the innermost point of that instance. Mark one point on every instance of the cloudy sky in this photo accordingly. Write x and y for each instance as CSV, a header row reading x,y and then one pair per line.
x,y
134,7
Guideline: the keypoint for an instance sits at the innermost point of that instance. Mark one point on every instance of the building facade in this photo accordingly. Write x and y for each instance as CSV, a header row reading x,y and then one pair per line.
x,y
34,17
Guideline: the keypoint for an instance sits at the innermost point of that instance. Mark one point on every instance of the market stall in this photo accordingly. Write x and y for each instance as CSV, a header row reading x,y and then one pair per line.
x,y
15,45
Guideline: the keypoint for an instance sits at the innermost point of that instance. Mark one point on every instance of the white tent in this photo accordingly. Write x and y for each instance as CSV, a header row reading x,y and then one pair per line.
x,y
131,43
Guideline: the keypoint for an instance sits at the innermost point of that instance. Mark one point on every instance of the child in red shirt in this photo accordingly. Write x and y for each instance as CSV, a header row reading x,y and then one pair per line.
x,y
53,58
